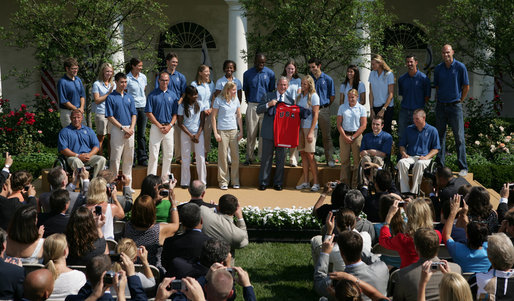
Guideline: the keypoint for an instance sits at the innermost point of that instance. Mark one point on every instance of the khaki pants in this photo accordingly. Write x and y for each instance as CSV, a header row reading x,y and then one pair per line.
x,y
228,140
417,173
348,172
96,162
324,126
373,159
156,138
207,134
253,127
122,149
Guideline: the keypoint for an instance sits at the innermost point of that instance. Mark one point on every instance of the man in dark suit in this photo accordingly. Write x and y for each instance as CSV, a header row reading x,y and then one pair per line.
x,y
267,107
58,179
11,286
187,245
197,192
56,220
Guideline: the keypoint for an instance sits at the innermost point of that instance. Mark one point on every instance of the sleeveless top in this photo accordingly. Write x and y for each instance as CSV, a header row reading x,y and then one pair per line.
x,y
108,228
148,238
31,259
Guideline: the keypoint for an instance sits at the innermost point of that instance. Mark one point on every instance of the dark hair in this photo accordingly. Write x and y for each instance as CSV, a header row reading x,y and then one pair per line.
x,y
214,250
383,179
476,234
350,244
384,203
509,217
119,76
81,232
426,242
95,268
345,219
20,179
338,195
259,55
55,177
478,202
133,62
315,61
148,186
356,77
227,62
376,117
410,55
58,200
70,62
190,216
354,200
291,62
143,212
464,189
227,204
3,238
23,228
190,91
444,172
171,55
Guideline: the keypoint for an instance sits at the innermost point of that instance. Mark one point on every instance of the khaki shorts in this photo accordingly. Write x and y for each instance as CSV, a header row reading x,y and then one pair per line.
x,y
303,145
103,126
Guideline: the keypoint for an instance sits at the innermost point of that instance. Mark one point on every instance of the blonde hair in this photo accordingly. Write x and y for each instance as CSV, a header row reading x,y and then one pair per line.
x,y
419,215
54,248
101,73
97,192
380,60
453,287
312,89
354,92
225,94
127,246
201,68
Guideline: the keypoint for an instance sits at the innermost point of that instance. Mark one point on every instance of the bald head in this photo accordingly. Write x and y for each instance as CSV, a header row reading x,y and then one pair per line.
x,y
447,54
38,285
197,189
219,285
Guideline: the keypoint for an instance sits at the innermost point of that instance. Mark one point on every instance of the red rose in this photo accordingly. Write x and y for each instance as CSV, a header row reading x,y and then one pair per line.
x,y
23,106
466,124
37,94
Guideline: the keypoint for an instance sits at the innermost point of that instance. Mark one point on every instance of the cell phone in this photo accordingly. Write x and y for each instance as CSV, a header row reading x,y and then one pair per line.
x,y
171,177
164,192
115,257
511,186
79,170
231,271
436,264
333,184
176,284
27,187
109,277
98,210
401,204
335,211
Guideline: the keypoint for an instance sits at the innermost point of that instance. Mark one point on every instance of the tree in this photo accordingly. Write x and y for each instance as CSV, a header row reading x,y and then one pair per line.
x,y
335,31
87,30
481,32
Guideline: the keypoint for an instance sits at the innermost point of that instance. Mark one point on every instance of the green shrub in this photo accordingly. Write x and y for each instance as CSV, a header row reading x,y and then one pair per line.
x,y
492,175
33,163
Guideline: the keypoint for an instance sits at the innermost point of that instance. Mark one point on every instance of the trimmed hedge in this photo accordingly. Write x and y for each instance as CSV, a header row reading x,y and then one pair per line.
x,y
493,175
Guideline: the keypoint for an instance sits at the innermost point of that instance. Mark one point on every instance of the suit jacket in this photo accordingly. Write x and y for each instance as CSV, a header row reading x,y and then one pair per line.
x,y
269,113
198,202
187,245
406,287
54,223
11,286
222,226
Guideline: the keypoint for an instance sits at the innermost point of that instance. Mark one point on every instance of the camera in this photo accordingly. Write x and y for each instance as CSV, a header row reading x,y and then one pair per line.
x,y
115,257
177,285
231,271
79,170
109,277
98,210
401,204
333,185
171,177
164,192
436,264
119,178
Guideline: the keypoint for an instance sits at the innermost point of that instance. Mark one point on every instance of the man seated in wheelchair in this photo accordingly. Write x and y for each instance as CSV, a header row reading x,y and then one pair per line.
x,y
375,148
417,147
79,144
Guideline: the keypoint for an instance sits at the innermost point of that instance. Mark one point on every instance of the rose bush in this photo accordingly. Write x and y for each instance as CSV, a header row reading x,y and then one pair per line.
x,y
18,134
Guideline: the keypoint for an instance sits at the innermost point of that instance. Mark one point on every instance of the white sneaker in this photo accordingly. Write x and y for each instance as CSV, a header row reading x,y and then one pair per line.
x,y
303,186
331,163
315,187
463,173
235,186
223,187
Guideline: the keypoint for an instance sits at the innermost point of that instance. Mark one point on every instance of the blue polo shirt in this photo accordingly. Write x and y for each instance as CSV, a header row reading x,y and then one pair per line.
x,y
70,91
449,81
205,91
324,87
419,143
414,89
100,88
220,83
381,142
227,118
177,84
136,88
162,105
79,141
120,107
257,83
380,87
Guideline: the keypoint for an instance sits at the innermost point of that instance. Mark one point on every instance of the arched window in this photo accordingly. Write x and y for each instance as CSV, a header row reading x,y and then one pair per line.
x,y
188,35
405,34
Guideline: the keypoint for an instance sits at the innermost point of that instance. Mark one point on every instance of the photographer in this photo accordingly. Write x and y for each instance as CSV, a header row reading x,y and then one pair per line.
x,y
125,200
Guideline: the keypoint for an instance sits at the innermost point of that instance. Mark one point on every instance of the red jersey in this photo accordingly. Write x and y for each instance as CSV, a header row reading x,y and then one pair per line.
x,y
286,127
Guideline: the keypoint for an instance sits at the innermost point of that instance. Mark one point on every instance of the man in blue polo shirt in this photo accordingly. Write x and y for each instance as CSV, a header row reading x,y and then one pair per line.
x,y
326,92
419,144
375,147
120,110
80,145
257,82
414,87
161,110
452,85
71,91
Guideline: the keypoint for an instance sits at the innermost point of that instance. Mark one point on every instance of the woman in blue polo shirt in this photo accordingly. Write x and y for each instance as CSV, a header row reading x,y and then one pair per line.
x,y
101,89
191,120
381,87
351,122
205,88
352,81
227,110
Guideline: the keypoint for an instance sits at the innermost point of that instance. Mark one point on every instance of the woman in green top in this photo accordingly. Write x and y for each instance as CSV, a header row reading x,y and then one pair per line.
x,y
152,186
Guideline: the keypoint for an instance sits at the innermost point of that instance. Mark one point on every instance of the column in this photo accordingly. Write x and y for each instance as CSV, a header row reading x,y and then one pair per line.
x,y
118,58
363,60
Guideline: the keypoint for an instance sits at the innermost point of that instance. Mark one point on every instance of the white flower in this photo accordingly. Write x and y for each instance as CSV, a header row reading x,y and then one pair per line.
x,y
480,135
491,125
393,122
501,128
477,142
507,139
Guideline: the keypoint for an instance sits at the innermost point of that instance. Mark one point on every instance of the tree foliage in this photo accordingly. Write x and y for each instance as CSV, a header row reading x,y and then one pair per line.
x,y
334,31
480,31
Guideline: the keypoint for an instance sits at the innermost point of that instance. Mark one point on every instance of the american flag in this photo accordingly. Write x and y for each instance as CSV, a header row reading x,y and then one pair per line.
x,y
48,85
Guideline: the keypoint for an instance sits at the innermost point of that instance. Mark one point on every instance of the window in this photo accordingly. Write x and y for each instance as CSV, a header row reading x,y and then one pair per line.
x,y
407,35
188,35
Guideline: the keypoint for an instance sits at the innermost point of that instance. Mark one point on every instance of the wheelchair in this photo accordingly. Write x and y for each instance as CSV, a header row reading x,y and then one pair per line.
x,y
428,172
61,161
388,165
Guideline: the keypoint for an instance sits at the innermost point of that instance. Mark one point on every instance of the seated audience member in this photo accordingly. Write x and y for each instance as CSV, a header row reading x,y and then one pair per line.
x,y
383,185
447,186
458,234
128,247
417,147
219,283
21,185
354,200
426,242
152,186
25,239
498,282
192,290
125,200
38,285
11,286
197,192
67,281
397,224
374,272
221,224
145,231
56,220
375,147
507,226
96,287
352,288
419,216
453,286
504,205
480,208
98,195
187,245
321,210
472,257
84,242
79,144
58,179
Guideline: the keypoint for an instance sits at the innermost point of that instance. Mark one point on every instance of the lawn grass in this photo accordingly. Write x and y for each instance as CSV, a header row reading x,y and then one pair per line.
x,y
278,271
